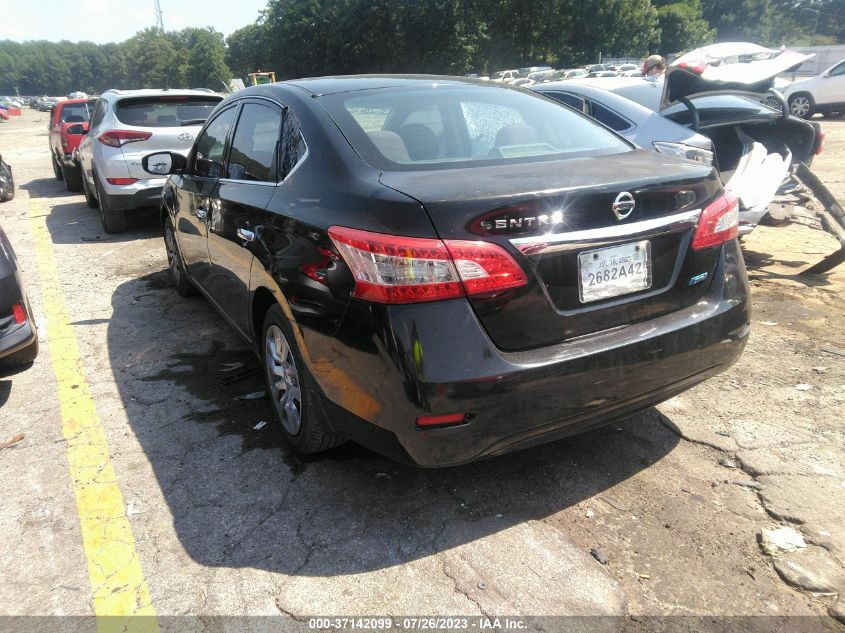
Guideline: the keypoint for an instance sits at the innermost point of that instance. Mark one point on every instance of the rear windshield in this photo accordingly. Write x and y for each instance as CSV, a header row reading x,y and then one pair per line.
x,y
442,127
165,111
76,112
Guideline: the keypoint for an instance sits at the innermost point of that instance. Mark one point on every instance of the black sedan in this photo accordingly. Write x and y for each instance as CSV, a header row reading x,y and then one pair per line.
x,y
18,336
444,269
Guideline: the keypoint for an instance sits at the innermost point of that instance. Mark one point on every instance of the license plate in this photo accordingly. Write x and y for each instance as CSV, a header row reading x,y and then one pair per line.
x,y
617,270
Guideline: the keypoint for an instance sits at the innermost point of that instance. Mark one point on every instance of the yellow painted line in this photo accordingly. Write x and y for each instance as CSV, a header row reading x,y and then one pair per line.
x,y
119,590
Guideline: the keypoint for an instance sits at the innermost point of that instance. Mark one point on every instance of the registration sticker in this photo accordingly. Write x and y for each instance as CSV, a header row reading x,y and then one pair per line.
x,y
617,270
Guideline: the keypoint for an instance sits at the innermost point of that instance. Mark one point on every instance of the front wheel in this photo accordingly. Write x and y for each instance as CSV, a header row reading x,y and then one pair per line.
x,y
801,105
90,199
292,389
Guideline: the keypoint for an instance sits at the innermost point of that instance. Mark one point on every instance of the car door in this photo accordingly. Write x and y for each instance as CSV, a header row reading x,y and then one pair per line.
x,y
194,191
238,203
831,88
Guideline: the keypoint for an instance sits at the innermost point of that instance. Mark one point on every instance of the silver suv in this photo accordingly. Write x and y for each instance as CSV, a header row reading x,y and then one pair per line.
x,y
125,126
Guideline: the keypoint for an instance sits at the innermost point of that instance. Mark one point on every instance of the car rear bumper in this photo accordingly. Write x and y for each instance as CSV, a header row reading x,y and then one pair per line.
x,y
127,198
435,358
17,339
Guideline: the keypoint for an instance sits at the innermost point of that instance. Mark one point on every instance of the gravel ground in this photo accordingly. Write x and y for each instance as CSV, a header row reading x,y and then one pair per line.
x,y
227,521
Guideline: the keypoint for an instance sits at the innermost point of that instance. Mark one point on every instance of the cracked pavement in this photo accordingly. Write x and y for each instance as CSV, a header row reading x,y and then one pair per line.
x,y
228,521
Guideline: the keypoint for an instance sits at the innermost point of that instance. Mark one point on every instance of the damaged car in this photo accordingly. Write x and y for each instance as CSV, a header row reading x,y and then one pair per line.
x,y
710,108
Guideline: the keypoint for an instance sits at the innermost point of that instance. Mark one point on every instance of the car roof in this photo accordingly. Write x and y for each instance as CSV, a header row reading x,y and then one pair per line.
x,y
153,92
594,92
319,86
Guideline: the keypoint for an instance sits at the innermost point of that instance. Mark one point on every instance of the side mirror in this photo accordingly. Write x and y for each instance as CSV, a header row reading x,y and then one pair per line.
x,y
77,128
164,163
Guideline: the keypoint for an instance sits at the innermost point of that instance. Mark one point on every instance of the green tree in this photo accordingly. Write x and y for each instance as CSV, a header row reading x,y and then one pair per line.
x,y
682,27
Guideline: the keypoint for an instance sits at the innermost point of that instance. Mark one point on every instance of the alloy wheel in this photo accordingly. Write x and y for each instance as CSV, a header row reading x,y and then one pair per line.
x,y
283,379
800,107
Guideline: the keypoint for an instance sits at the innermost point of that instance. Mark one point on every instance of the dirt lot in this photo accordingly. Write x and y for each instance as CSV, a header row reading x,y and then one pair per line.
x,y
219,518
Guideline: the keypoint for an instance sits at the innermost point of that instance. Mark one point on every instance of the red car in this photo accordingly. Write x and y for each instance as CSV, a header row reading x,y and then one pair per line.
x,y
68,124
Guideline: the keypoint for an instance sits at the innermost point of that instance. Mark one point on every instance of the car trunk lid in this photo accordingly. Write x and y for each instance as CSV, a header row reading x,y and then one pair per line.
x,y
557,219
729,67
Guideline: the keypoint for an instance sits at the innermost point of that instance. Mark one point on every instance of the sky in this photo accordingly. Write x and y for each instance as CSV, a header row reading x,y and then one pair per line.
x,y
104,21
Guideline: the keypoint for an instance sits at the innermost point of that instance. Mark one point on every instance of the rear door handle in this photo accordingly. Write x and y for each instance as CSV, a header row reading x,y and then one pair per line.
x,y
246,235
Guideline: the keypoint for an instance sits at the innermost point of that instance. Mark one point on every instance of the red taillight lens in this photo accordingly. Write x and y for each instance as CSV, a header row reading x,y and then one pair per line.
x,y
719,222
820,143
121,181
450,419
119,138
18,313
395,269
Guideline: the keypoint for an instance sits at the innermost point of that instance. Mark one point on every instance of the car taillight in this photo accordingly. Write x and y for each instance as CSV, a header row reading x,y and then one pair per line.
x,y
18,313
820,142
396,269
119,138
121,181
719,222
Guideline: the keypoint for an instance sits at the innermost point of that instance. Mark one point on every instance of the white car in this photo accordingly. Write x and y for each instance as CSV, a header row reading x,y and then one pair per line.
x,y
125,126
505,76
824,93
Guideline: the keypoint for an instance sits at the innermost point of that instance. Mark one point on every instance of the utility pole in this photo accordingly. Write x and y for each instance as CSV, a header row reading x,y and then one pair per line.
x,y
159,17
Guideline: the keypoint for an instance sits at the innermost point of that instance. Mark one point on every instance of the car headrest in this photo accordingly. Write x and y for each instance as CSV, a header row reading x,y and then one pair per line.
x,y
516,134
391,145
420,140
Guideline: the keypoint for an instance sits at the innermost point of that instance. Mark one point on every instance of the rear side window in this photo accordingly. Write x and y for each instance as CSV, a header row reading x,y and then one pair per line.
x,y
293,145
569,99
255,144
608,117
210,148
165,111
839,70
99,113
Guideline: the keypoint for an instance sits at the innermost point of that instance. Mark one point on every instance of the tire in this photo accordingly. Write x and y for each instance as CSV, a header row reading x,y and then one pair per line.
x,y
773,103
801,105
57,170
21,357
89,197
72,178
175,263
293,391
114,220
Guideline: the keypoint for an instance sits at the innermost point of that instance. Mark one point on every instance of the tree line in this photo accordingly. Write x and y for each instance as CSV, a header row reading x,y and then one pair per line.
x,y
298,38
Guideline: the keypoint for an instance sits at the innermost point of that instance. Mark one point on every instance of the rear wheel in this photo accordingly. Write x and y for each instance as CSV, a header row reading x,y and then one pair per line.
x,y
57,170
176,265
72,178
292,389
801,105
114,220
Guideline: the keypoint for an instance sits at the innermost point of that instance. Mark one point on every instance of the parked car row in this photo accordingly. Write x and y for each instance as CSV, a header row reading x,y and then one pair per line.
x,y
447,269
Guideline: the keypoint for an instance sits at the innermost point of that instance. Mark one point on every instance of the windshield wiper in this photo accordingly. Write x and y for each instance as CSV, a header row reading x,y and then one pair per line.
x,y
194,121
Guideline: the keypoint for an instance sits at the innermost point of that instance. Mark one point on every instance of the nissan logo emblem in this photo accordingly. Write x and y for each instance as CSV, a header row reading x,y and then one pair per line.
x,y
624,205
